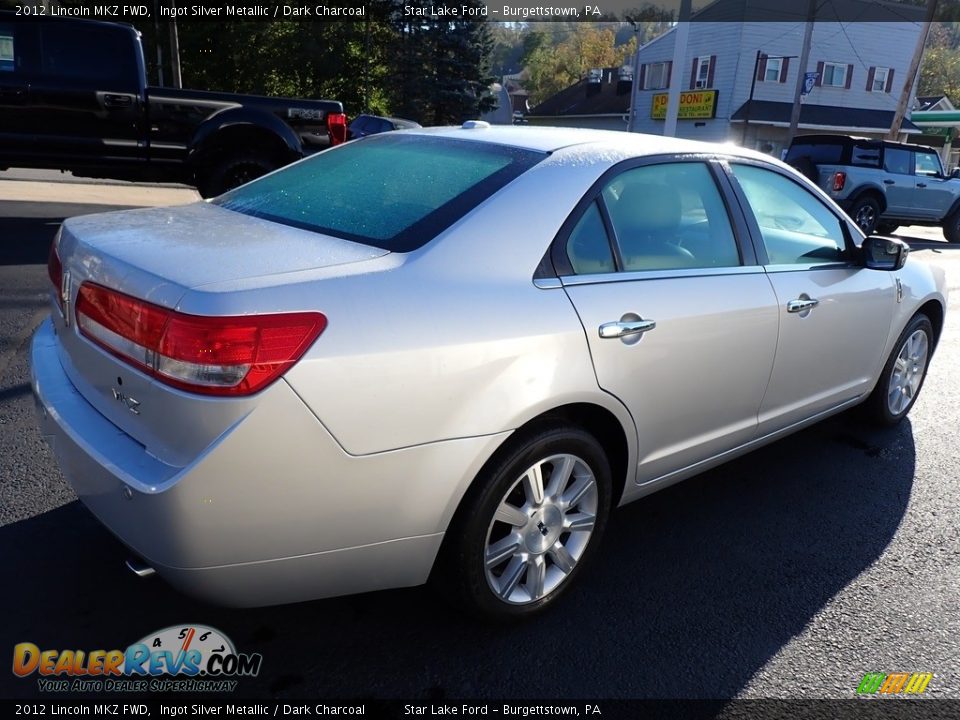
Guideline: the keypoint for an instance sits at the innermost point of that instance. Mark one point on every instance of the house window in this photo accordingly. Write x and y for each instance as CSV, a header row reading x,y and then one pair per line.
x,y
657,76
835,74
879,83
703,72
772,72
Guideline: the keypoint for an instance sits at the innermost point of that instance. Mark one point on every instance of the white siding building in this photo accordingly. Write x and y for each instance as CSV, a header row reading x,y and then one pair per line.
x,y
861,65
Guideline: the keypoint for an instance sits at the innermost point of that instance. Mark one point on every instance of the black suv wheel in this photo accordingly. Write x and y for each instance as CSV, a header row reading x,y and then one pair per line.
x,y
865,211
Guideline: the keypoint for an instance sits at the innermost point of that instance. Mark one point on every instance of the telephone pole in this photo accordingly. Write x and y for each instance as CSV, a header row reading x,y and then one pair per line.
x,y
802,70
912,73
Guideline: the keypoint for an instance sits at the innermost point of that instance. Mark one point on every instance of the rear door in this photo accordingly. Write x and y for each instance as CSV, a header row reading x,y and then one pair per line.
x,y
835,315
86,99
680,320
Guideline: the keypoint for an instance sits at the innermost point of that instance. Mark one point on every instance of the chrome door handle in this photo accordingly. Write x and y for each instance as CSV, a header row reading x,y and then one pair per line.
x,y
624,328
795,306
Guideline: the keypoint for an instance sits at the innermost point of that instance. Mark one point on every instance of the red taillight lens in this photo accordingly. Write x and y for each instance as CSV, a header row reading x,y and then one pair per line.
x,y
839,180
236,355
337,127
55,271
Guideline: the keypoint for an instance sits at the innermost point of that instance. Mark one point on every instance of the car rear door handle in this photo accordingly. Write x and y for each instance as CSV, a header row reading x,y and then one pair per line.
x,y
117,101
801,304
13,93
623,328
889,182
921,184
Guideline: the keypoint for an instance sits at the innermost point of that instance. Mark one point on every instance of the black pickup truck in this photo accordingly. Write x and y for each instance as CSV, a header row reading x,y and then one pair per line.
x,y
74,96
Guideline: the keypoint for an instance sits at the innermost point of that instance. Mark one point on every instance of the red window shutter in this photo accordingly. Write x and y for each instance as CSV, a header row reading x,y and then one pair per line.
x,y
784,67
693,73
819,81
889,79
762,68
713,64
849,76
871,74
669,72
643,74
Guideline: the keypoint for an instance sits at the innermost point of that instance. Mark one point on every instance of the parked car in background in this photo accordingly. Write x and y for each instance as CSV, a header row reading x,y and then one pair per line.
x,y
881,184
306,388
74,96
364,125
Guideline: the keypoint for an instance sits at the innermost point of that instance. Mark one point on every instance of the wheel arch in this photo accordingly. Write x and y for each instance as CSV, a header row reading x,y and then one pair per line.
x,y
242,128
868,190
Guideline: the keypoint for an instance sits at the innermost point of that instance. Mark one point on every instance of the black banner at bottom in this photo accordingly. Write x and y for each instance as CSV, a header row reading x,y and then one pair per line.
x,y
854,709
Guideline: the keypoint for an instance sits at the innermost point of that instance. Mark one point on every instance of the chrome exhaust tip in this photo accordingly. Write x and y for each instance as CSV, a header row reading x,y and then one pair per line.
x,y
139,567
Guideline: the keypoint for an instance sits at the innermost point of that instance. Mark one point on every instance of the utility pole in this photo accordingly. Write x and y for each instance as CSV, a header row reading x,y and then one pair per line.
x,y
679,55
802,70
912,73
753,86
634,86
175,49
156,41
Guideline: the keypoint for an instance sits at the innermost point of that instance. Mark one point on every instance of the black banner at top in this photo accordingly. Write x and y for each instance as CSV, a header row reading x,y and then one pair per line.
x,y
732,11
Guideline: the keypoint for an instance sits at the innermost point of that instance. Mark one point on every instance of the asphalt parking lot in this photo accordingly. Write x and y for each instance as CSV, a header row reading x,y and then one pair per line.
x,y
787,573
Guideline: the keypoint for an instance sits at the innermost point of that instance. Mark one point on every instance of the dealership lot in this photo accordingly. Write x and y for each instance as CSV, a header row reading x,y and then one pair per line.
x,y
790,572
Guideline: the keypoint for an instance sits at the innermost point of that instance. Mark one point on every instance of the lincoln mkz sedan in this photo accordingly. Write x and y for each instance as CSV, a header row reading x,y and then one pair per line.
x,y
446,354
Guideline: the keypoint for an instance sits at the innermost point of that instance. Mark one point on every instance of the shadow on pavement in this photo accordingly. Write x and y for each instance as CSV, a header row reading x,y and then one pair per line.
x,y
27,228
696,589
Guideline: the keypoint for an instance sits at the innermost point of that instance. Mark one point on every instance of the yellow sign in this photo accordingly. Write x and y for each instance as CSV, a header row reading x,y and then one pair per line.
x,y
694,105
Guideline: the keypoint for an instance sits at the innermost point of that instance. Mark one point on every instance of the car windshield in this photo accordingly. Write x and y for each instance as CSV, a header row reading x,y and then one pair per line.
x,y
395,192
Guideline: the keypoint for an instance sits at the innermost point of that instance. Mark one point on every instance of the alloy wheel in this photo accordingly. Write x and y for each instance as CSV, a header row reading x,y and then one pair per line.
x,y
907,373
541,529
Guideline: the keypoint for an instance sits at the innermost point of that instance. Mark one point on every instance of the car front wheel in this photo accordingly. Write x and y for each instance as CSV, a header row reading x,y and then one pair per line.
x,y
533,521
903,373
865,212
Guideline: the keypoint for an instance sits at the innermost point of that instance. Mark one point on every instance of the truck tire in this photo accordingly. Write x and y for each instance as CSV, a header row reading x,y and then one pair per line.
x,y
865,211
886,228
951,227
231,170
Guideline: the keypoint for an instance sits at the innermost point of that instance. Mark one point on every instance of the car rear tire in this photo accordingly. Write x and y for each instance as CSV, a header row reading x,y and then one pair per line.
x,y
232,170
886,228
530,524
903,374
951,228
865,211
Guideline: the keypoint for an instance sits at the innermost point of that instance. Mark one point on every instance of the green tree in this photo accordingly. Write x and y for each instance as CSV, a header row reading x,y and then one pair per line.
x,y
940,71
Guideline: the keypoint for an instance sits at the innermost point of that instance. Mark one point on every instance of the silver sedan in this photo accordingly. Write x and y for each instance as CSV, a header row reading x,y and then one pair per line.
x,y
448,353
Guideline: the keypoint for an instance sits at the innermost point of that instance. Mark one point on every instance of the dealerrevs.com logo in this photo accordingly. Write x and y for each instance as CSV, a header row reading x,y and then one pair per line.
x,y
188,658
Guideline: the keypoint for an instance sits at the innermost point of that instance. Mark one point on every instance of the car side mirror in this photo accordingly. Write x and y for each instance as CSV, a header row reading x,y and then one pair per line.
x,y
955,173
884,253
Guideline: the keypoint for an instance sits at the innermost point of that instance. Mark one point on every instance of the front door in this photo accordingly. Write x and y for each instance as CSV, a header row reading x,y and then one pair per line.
x,y
834,314
681,322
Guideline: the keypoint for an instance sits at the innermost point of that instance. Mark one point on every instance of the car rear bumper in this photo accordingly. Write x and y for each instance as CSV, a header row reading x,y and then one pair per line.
x,y
273,511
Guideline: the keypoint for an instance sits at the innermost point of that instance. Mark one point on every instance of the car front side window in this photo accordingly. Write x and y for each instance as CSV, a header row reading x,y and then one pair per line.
x,y
796,227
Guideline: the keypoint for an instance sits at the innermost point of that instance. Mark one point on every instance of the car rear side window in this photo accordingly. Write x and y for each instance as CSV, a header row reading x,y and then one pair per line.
x,y
395,192
819,153
866,155
588,247
87,55
670,216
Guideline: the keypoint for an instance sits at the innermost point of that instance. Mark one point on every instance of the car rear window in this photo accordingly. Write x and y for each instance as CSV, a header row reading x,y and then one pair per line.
x,y
395,192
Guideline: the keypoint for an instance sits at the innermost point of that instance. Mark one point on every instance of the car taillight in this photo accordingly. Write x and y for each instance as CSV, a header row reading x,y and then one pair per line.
x,y
55,271
236,355
839,180
337,127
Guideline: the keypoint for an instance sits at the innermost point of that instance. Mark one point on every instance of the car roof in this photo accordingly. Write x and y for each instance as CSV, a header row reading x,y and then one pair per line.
x,y
550,139
838,138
